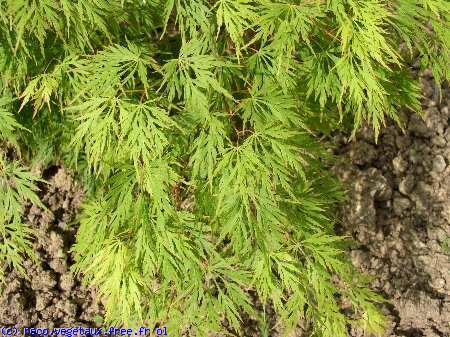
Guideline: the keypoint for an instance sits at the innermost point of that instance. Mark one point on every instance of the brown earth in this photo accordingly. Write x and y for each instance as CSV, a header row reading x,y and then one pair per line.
x,y
398,211
52,296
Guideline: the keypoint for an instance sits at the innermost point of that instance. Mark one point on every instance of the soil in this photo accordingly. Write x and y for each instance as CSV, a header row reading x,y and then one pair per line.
x,y
51,296
397,211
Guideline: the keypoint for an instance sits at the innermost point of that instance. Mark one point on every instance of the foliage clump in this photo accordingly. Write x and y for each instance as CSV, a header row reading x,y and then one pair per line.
x,y
194,125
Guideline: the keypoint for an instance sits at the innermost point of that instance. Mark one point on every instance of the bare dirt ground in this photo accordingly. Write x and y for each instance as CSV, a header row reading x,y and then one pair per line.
x,y
52,296
398,212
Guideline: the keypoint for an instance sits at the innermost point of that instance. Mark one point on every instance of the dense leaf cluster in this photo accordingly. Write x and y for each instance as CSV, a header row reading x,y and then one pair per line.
x,y
194,125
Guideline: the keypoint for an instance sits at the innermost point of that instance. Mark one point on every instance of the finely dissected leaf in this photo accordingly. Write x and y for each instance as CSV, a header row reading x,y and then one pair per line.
x,y
196,127
17,186
8,124
236,16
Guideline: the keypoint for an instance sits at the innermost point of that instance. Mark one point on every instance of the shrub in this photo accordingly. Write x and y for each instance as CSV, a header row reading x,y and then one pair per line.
x,y
195,126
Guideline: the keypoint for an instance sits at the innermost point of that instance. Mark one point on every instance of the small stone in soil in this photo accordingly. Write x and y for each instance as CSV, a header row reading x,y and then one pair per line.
x,y
406,185
439,164
400,164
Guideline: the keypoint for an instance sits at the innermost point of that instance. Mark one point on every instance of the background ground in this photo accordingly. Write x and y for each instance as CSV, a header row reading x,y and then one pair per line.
x,y
398,211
